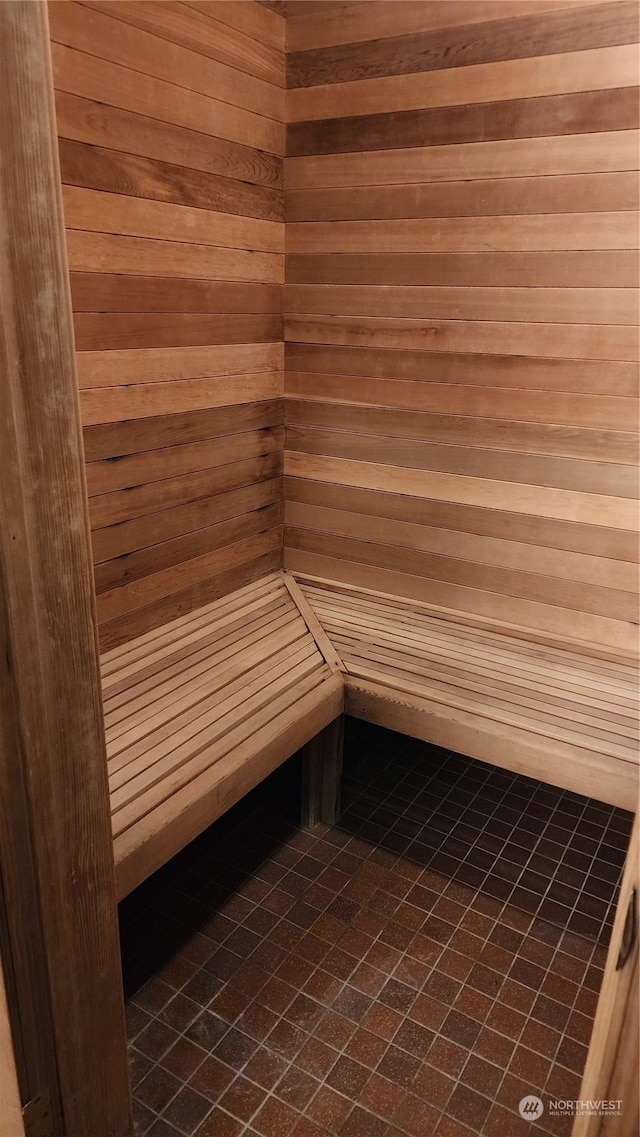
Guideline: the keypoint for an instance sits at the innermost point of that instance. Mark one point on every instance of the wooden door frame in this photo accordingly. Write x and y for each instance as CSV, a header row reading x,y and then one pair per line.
x,y
58,913
611,1070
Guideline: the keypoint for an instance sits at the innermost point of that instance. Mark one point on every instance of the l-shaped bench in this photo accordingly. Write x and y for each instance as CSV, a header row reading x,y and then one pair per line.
x,y
199,711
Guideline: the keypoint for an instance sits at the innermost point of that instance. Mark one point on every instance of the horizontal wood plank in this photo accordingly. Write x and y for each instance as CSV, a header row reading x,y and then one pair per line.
x,y
132,436
139,256
162,365
113,331
103,477
574,193
565,341
529,305
345,23
555,74
201,33
465,548
595,541
96,212
563,505
78,26
469,459
109,292
468,234
152,497
162,555
99,168
549,115
139,593
520,37
567,442
89,77
605,152
144,532
534,269
512,404
148,400
85,120
596,630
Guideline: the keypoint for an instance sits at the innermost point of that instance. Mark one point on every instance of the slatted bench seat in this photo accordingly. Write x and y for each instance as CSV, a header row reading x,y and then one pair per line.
x,y
198,711
559,712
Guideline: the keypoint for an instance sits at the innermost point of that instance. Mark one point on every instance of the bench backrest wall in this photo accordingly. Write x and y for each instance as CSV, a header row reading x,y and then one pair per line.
x,y
460,303
171,140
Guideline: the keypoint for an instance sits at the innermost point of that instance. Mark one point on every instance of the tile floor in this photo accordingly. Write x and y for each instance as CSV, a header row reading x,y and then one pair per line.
x,y
412,972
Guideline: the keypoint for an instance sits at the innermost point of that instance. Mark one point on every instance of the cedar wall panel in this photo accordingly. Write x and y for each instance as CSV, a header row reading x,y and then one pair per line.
x,y
461,303
171,133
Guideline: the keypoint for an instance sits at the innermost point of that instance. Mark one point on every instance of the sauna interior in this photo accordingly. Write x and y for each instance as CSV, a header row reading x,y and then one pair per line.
x,y
319,322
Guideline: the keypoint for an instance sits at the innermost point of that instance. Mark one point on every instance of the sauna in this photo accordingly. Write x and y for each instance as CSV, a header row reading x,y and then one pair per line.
x,y
319,751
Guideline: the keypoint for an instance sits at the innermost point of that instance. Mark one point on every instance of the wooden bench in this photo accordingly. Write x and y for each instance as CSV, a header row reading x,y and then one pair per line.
x,y
565,713
198,711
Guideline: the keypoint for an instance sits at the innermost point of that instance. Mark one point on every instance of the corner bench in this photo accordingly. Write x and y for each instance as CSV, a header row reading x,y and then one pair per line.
x,y
200,710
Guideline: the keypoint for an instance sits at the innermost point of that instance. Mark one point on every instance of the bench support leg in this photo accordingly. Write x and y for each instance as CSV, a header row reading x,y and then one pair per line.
x,y
321,775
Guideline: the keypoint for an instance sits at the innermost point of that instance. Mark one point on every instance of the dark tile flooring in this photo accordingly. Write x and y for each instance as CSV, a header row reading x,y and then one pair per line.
x,y
412,972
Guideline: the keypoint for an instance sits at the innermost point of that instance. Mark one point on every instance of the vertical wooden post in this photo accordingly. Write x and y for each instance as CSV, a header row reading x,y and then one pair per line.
x,y
58,920
321,775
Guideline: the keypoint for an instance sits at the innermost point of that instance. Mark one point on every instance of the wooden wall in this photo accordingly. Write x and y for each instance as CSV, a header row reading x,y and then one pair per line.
x,y
460,306
171,126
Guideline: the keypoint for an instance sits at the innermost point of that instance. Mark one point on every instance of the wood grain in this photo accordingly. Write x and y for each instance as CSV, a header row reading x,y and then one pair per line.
x,y
105,252
596,444
143,532
133,436
105,82
95,212
539,34
603,572
604,634
162,365
109,331
489,370
147,400
201,33
564,505
555,74
171,125
109,292
353,22
162,555
601,153
529,305
577,193
60,931
515,405
83,28
592,541
97,167
143,500
583,113
85,120
537,233
573,341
